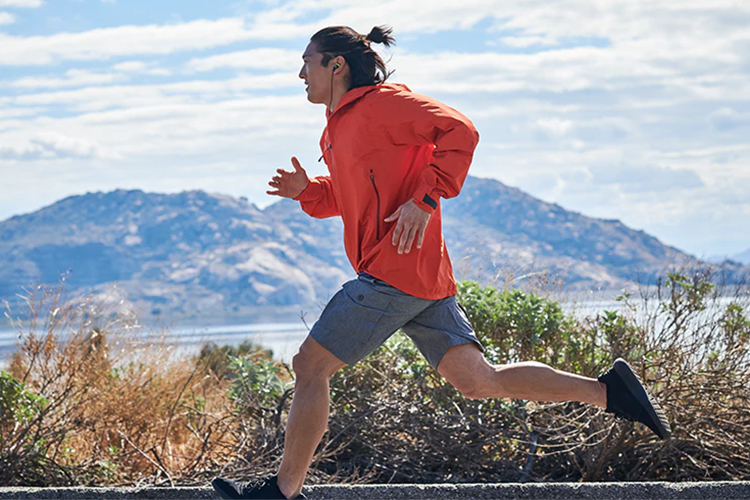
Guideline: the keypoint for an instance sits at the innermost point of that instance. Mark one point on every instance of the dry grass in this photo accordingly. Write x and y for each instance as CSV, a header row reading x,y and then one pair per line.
x,y
111,408
90,403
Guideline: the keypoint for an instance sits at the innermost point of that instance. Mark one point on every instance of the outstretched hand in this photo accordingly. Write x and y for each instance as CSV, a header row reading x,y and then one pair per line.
x,y
412,223
289,184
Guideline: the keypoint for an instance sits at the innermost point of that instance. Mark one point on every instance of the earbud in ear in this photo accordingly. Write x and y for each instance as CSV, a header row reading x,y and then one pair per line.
x,y
336,66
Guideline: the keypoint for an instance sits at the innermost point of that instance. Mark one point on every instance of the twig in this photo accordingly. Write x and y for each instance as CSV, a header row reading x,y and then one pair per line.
x,y
144,455
174,406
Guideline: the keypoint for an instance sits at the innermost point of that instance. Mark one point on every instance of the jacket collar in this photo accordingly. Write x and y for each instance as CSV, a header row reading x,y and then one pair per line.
x,y
358,93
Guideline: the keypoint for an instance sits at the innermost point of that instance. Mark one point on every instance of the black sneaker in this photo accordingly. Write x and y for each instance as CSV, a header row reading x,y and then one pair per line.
x,y
628,398
265,489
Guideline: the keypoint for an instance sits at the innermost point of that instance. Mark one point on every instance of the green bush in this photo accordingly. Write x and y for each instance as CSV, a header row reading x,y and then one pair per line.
x,y
257,382
217,358
17,405
519,326
20,452
395,420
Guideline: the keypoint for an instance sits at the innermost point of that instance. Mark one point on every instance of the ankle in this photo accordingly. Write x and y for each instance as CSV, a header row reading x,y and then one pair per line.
x,y
288,489
602,395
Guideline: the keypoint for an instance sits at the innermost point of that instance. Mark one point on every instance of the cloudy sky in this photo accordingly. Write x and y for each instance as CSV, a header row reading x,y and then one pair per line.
x,y
637,110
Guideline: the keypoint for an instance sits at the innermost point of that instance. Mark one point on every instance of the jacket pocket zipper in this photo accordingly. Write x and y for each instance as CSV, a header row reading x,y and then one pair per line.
x,y
377,197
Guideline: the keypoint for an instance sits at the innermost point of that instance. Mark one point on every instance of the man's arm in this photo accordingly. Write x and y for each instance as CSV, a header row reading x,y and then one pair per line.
x,y
419,119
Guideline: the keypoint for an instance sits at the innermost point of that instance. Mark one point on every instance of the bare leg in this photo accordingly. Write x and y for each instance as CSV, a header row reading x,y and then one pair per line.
x,y
308,417
465,368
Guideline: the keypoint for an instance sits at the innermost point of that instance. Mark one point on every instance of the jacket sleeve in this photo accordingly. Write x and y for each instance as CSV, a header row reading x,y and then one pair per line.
x,y
418,119
318,199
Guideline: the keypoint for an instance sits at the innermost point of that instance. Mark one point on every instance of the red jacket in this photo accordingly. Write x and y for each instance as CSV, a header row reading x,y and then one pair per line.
x,y
385,145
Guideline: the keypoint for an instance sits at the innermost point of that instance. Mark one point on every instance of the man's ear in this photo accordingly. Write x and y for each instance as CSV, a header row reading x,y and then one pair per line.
x,y
338,63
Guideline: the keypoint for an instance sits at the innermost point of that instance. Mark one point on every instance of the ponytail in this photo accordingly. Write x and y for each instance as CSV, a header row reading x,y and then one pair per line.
x,y
381,34
366,66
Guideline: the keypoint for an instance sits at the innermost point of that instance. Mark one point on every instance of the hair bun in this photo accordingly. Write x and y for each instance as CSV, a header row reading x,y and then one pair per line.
x,y
381,34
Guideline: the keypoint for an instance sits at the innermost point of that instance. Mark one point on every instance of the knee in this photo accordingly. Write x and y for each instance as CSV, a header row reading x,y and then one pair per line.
x,y
309,367
471,391
477,386
304,366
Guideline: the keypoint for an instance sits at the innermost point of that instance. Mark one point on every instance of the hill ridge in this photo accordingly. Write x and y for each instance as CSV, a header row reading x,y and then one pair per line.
x,y
198,253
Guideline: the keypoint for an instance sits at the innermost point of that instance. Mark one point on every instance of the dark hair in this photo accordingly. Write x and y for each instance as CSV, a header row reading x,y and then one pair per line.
x,y
366,66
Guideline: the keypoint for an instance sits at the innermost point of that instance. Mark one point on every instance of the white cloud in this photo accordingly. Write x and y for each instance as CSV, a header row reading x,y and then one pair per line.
x,y
727,119
554,126
565,70
527,41
51,145
138,97
7,18
264,58
32,4
622,109
101,44
73,78
130,67
645,178
93,98
171,128
8,113
140,67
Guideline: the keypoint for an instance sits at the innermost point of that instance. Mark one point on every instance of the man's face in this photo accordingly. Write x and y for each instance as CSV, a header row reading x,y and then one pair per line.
x,y
316,76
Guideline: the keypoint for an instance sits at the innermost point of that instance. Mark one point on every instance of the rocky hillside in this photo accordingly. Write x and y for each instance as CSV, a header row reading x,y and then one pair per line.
x,y
177,255
493,225
195,254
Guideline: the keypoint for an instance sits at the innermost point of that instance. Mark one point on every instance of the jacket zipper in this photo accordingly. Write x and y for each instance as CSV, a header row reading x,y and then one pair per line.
x,y
330,146
377,196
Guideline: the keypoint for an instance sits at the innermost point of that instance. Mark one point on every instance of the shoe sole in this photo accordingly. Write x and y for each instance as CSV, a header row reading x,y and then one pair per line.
x,y
638,390
219,487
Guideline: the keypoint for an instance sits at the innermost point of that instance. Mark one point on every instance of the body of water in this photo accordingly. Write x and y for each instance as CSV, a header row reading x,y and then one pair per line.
x,y
282,338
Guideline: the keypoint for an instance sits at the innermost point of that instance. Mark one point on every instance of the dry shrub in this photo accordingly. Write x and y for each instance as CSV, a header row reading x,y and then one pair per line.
x,y
89,400
395,420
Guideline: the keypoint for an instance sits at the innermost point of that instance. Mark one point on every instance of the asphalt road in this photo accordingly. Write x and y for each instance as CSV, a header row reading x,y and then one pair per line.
x,y
535,491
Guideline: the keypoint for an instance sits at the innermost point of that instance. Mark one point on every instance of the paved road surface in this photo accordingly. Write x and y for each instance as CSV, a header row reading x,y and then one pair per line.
x,y
535,491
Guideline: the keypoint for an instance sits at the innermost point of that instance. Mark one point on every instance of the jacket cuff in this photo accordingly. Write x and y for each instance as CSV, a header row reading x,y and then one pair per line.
x,y
313,191
426,202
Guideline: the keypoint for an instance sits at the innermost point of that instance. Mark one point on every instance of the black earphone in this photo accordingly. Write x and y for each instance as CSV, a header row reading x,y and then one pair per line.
x,y
333,71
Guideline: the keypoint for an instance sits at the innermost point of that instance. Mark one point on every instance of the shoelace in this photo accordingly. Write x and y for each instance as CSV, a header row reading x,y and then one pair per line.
x,y
254,485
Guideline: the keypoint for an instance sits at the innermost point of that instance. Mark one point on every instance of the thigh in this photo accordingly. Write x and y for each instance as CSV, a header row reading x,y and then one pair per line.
x,y
361,316
439,327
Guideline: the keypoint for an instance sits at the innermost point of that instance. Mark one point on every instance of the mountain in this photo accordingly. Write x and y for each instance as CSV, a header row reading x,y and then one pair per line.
x,y
189,254
491,222
196,254
743,257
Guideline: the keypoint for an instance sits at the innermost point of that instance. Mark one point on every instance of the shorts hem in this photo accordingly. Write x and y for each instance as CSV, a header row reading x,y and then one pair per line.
x,y
462,341
323,344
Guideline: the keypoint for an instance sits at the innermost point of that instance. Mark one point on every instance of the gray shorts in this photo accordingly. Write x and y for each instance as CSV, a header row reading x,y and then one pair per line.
x,y
366,311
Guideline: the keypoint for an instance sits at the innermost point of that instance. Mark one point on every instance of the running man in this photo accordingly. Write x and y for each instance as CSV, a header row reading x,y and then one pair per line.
x,y
392,156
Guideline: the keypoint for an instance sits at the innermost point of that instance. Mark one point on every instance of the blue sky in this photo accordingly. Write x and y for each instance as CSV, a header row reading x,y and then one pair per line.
x,y
625,109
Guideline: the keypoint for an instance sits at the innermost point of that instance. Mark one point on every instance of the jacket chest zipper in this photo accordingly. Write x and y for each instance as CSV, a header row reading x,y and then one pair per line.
x,y
377,197
330,147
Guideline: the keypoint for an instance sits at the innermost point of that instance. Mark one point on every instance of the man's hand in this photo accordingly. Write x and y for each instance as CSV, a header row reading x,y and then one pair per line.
x,y
289,184
412,223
